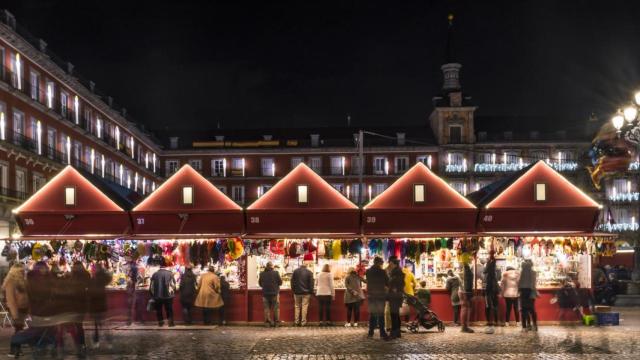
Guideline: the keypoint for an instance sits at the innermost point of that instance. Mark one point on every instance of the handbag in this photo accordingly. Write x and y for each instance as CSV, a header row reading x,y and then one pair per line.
x,y
151,305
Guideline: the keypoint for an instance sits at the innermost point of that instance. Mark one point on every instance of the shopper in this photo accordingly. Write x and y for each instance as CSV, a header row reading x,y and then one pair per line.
x,y
188,291
163,289
134,303
509,285
466,294
98,302
15,292
528,294
325,294
270,283
453,288
225,292
377,285
209,297
71,296
410,282
491,291
424,294
396,290
302,286
568,302
353,296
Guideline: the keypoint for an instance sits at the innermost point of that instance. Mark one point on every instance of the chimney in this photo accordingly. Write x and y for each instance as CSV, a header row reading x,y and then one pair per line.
x,y
69,68
43,45
11,20
315,140
173,142
92,86
110,101
400,138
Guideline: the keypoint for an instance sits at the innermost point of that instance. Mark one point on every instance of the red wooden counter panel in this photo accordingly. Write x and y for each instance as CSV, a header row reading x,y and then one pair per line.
x,y
246,306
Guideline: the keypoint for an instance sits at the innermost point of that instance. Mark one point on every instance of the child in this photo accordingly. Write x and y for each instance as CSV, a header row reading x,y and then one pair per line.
x,y
423,294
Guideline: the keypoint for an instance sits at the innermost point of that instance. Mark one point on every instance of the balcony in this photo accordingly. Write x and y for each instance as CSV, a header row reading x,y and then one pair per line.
x,y
12,196
624,197
618,227
456,168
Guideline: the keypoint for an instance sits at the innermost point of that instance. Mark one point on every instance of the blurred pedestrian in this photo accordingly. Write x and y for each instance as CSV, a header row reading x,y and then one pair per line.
x,y
491,291
98,302
453,288
134,303
270,283
225,292
509,285
423,294
163,289
325,294
188,291
528,294
15,292
208,297
466,294
377,287
353,296
410,283
396,295
302,286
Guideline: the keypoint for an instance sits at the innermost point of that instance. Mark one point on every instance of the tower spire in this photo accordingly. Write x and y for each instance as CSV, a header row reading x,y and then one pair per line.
x,y
451,68
449,46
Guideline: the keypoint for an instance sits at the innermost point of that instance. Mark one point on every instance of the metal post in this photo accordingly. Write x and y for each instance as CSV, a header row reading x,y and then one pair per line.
x,y
361,157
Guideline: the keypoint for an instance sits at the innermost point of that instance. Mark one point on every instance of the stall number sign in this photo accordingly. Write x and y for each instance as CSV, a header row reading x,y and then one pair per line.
x,y
140,221
254,219
29,222
371,219
488,218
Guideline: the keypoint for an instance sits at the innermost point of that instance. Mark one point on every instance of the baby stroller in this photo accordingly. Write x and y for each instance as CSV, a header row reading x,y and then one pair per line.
x,y
425,317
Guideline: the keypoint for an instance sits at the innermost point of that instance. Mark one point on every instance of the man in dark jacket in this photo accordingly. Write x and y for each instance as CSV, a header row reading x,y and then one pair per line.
x,y
302,286
466,294
270,282
163,288
225,293
377,283
491,290
396,291
188,285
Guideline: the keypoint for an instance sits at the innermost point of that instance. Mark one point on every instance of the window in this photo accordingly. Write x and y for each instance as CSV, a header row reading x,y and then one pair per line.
x,y
237,193
51,87
355,165
34,82
218,167
3,120
69,196
295,161
538,155
77,152
262,189
425,159
418,193
17,67
455,134
18,123
76,110
339,187
268,167
355,190
237,166
315,163
541,192
187,195
379,189
196,164
337,165
455,159
99,128
222,188
51,142
39,136
460,187
401,164
64,103
510,157
483,158
171,166
621,186
21,183
303,193
4,177
380,166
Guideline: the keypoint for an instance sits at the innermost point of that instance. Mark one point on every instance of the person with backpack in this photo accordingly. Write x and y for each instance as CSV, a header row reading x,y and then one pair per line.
x,y
188,287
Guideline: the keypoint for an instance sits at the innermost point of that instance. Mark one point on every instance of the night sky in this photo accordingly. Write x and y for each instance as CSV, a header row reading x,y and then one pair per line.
x,y
196,64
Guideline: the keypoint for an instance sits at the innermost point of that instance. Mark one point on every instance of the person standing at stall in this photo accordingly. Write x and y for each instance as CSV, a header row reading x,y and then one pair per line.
x,y
208,297
325,294
98,301
466,294
133,303
410,283
302,286
15,292
491,290
528,294
353,296
377,286
225,292
453,288
188,287
270,283
163,289
510,293
396,291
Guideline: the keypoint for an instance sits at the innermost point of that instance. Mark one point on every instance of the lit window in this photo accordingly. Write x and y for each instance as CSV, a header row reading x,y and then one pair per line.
x,y
303,191
187,195
418,193
541,192
70,196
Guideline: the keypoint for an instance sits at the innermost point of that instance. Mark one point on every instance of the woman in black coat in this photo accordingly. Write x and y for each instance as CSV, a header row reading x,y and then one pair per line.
x,y
188,285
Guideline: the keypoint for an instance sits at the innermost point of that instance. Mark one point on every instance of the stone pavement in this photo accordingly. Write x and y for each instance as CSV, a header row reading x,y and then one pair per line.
x,y
252,342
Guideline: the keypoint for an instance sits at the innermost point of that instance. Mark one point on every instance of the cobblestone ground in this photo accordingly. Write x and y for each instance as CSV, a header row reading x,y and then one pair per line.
x,y
250,342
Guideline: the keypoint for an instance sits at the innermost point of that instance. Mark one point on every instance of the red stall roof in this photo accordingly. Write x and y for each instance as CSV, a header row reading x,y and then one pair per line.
x,y
187,204
511,206
419,203
75,204
302,204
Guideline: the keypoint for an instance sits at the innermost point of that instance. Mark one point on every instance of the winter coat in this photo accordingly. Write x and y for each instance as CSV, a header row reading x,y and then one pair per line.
x,y
453,286
40,293
209,291
527,278
377,283
98,292
302,281
188,287
467,279
15,290
510,284
353,292
396,284
270,282
409,282
225,291
163,285
491,278
325,285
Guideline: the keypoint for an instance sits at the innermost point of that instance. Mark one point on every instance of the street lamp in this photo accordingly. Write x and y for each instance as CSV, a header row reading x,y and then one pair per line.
x,y
618,121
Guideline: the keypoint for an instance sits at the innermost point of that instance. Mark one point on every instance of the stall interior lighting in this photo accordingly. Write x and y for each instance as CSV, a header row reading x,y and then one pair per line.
x,y
303,194
69,196
187,195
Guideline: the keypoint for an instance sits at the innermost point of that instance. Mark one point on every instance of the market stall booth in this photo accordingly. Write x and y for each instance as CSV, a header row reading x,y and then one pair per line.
x,y
537,214
302,219
425,219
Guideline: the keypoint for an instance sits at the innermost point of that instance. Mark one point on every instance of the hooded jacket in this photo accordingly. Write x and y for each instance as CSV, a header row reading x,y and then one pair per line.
x,y
510,283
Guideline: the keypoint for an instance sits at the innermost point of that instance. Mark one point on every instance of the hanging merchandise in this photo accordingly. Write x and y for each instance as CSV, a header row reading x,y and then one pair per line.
x,y
437,244
403,249
344,247
355,247
385,249
293,249
321,249
336,249
328,249
430,247
450,243
238,248
277,247
373,247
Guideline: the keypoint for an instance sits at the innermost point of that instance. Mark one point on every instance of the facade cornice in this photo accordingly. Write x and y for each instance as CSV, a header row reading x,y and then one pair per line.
x,y
297,151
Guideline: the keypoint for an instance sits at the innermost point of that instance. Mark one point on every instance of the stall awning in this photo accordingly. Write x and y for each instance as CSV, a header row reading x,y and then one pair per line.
x,y
419,204
302,204
536,199
76,203
187,204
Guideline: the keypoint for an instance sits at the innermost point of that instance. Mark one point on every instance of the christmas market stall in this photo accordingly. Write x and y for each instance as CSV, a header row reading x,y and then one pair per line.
x,y
302,219
537,214
422,220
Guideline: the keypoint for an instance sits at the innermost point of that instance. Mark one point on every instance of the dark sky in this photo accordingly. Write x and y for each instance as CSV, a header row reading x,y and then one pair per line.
x,y
194,64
